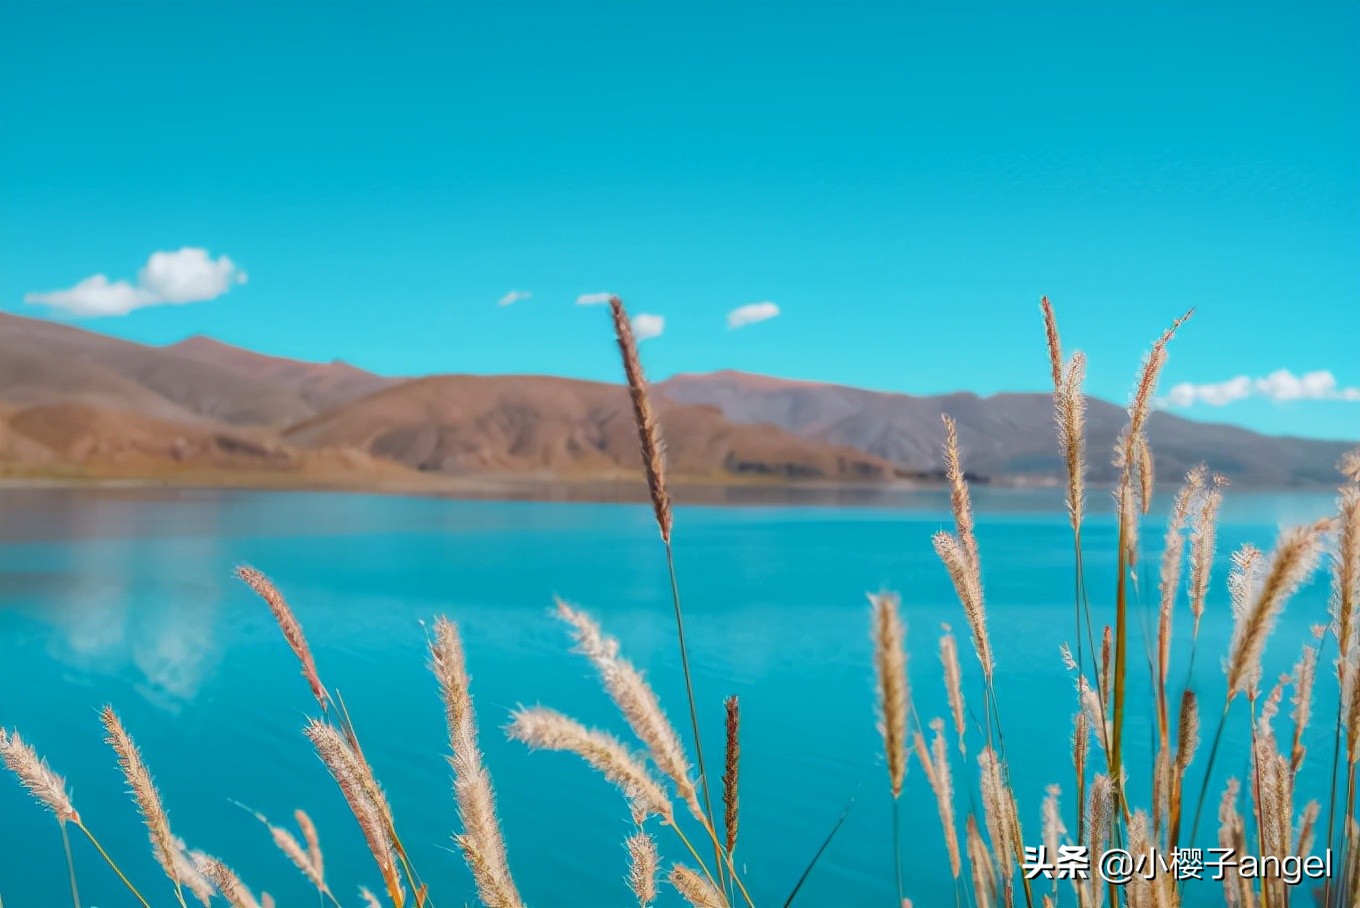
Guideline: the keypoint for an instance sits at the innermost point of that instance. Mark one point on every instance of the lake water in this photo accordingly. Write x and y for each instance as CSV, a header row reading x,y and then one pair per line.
x,y
128,598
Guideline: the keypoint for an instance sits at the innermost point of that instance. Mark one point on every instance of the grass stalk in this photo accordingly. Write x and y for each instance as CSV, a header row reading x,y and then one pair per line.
x,y
113,866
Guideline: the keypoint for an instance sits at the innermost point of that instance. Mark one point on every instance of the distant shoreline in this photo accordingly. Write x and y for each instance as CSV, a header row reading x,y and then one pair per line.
x,y
687,490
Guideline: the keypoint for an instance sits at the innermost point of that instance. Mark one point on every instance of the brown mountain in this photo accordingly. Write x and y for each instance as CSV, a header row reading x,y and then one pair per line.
x,y
321,385
78,404
75,403
1005,435
529,424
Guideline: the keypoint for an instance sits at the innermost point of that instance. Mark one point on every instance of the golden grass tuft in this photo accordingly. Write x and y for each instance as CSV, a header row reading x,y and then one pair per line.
x,y
481,841
545,729
642,867
890,667
292,630
145,794
46,787
649,430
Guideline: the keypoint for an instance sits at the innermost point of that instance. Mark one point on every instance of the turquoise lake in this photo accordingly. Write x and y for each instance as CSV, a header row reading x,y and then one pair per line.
x,y
128,597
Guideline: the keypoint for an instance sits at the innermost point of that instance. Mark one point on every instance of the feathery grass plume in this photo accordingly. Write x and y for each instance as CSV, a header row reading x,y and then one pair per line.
x,y
695,889
1232,834
953,683
292,630
951,552
1349,465
1081,744
1345,612
1350,705
1070,404
1295,556
1127,459
370,900
960,502
1147,475
649,432
1173,550
890,665
1141,402
226,881
1303,837
32,771
1055,357
642,866
980,862
996,811
1244,576
1305,671
1106,647
194,880
314,854
636,701
1138,890
1052,826
545,729
1099,816
481,841
144,792
1203,532
935,762
1187,742
731,773
349,772
301,857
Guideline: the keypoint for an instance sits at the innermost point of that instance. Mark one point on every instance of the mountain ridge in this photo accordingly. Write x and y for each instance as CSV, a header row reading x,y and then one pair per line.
x,y
75,402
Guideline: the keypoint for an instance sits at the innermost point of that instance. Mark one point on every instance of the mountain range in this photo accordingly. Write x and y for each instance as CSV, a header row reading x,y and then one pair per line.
x,y
75,405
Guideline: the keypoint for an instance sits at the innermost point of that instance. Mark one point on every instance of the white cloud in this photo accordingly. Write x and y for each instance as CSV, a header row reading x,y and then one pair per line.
x,y
593,299
188,275
648,326
514,296
1280,385
751,313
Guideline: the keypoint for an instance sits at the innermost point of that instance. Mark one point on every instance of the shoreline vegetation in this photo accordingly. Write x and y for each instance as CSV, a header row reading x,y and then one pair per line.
x,y
670,793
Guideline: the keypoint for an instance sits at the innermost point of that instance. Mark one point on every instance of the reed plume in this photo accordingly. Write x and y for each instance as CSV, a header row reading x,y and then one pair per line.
x,y
642,866
292,630
307,860
731,773
696,890
951,552
32,771
314,854
226,881
370,900
890,666
997,811
351,774
935,763
1070,406
1203,534
1305,671
145,794
1294,558
1055,357
1173,551
193,878
983,868
953,683
481,841
649,431
653,457
545,729
1349,465
636,701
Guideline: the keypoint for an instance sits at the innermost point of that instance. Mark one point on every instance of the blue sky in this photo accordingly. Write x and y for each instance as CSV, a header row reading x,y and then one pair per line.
x,y
903,182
